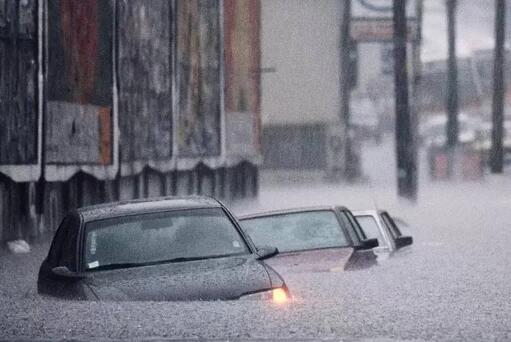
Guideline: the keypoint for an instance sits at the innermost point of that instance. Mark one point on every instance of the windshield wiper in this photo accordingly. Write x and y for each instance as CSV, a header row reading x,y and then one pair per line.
x,y
181,259
158,262
116,265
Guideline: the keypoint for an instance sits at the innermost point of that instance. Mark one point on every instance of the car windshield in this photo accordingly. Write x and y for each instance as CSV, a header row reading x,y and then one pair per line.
x,y
161,237
371,229
297,231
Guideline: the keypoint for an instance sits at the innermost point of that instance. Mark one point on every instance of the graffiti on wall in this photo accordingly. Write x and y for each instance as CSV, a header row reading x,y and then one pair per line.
x,y
198,62
242,78
80,92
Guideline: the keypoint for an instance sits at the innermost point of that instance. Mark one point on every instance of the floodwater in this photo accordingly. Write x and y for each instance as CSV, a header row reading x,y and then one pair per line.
x,y
453,284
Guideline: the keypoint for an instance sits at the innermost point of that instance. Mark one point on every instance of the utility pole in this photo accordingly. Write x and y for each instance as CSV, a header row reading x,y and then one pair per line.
x,y
346,89
452,78
497,152
404,138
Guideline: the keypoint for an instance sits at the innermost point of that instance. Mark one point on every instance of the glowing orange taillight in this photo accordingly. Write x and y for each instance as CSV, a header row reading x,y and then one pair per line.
x,y
279,296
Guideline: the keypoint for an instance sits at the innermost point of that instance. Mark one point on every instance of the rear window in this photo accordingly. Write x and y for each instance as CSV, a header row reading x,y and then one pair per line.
x,y
297,231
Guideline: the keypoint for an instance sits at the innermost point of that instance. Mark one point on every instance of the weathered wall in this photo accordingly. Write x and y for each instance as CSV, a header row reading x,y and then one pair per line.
x,y
80,82
18,82
198,78
242,56
155,68
145,81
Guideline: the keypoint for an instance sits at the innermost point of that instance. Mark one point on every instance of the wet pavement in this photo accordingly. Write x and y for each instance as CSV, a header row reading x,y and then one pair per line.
x,y
453,284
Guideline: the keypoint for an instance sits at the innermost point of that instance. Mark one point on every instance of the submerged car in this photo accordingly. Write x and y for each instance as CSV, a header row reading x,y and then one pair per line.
x,y
312,239
165,249
380,225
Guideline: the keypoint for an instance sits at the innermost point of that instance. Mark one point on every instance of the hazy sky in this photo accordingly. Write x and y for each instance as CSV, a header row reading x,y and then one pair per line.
x,y
475,27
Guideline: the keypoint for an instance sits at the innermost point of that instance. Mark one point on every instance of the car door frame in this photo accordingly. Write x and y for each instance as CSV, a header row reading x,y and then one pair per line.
x,y
382,227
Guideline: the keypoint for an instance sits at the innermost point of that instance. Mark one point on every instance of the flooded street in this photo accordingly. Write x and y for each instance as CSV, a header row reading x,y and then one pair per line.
x,y
452,284
150,139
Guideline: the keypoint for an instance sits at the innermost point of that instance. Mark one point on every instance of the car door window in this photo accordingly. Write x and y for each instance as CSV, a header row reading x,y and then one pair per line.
x,y
371,228
394,230
68,251
57,243
352,223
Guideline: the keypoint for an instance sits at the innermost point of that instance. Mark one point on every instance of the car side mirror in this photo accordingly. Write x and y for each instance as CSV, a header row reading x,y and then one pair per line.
x,y
64,272
403,241
369,244
266,252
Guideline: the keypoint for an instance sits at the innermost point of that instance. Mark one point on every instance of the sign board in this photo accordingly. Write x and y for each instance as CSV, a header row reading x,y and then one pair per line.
x,y
369,30
80,119
198,79
381,8
20,94
145,85
242,98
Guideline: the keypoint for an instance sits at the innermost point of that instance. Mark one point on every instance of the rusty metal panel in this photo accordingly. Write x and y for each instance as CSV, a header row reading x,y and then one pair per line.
x,y
199,86
79,116
18,82
242,54
145,74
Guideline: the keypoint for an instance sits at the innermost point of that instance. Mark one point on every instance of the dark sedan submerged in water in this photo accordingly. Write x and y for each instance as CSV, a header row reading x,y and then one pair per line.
x,y
166,249
312,239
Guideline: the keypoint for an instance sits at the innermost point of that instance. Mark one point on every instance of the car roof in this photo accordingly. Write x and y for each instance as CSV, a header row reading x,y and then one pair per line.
x,y
371,212
147,205
290,211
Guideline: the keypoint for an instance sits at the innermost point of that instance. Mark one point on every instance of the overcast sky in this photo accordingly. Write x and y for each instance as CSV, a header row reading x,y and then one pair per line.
x,y
475,26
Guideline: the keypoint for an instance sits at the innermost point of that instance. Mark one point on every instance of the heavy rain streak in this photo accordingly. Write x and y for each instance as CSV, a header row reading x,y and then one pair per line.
x,y
255,170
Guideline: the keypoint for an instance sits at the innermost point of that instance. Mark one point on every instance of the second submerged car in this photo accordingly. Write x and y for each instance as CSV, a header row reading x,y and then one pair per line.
x,y
312,239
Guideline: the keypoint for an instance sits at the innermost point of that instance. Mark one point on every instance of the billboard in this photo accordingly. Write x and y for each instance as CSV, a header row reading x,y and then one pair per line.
x,y
198,79
242,54
370,30
19,90
145,84
79,109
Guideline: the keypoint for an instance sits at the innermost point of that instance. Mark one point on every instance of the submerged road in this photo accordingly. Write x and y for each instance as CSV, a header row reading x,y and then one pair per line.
x,y
453,284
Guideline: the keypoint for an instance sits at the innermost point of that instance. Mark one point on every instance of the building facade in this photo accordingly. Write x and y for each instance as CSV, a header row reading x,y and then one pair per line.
x,y
301,81
305,126
107,100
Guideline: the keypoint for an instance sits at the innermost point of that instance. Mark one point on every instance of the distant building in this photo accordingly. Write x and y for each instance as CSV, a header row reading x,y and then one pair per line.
x,y
475,82
300,82
301,88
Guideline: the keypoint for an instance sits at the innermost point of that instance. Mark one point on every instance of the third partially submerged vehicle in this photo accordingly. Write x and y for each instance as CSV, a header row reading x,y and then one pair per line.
x,y
312,239
380,225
